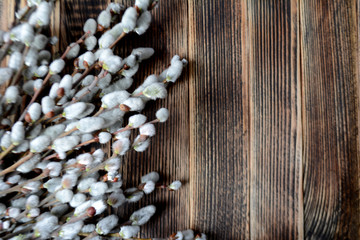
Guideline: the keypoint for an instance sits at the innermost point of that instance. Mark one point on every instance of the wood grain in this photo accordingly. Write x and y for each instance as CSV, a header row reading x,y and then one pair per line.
x,y
275,194
219,121
7,14
264,121
169,150
330,110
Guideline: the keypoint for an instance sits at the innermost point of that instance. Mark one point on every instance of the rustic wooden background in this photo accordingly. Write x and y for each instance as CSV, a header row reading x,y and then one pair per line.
x,y
264,121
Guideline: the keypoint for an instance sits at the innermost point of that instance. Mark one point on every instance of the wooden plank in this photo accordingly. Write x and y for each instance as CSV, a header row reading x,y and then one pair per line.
x,y
169,151
219,120
276,184
330,95
7,14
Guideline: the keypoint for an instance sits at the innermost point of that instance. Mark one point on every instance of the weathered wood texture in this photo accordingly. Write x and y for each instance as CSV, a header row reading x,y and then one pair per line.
x,y
330,117
275,169
264,121
219,121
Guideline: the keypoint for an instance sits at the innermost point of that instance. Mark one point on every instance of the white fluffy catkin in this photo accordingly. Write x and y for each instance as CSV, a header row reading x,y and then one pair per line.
x,y
90,26
162,114
15,60
104,19
90,124
143,23
155,90
11,94
129,231
74,110
47,104
136,120
17,133
135,104
152,176
57,66
147,130
65,144
40,143
90,43
105,225
128,20
74,51
142,216
5,74
34,111
114,98
113,64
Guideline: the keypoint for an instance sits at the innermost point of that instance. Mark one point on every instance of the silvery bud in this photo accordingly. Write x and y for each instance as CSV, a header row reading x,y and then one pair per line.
x,y
143,23
104,19
90,26
74,110
90,124
15,60
129,231
155,90
113,64
5,74
104,137
142,216
17,133
90,43
132,104
128,20
65,144
57,66
40,143
105,225
74,51
12,94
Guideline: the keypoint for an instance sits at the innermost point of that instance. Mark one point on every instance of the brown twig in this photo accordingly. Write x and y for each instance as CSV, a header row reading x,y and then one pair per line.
x,y
15,165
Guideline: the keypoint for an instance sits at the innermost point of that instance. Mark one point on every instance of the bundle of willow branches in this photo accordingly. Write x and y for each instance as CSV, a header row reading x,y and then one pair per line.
x,y
52,185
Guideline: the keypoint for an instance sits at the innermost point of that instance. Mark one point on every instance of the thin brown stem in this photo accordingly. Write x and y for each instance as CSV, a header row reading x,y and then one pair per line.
x,y
87,142
68,132
51,156
18,187
7,151
89,88
99,112
15,165
49,197
123,34
93,84
89,236
123,130
83,37
51,203
85,73
53,118
138,95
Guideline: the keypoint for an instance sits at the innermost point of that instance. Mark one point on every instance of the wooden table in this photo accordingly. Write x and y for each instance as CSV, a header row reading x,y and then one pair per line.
x,y
264,121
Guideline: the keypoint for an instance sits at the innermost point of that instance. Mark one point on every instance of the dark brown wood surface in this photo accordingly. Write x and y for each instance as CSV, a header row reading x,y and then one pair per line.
x,y
329,68
264,121
275,114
